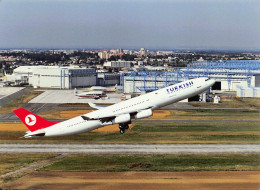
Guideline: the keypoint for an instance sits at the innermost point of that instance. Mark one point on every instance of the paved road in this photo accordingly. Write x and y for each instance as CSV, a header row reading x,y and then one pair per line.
x,y
130,148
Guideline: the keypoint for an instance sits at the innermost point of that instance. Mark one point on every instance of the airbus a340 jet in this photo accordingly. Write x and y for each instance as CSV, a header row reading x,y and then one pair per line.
x,y
121,113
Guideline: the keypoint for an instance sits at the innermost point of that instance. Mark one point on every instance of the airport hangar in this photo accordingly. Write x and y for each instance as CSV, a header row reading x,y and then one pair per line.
x,y
240,76
61,77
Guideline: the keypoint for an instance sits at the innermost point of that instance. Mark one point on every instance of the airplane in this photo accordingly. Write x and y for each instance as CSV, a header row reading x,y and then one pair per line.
x,y
93,94
101,88
121,113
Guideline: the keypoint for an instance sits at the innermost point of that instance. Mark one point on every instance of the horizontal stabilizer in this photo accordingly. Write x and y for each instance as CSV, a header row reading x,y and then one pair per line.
x,y
39,133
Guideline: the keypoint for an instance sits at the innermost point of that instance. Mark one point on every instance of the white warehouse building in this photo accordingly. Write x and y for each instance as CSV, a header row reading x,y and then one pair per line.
x,y
63,77
118,64
55,76
20,75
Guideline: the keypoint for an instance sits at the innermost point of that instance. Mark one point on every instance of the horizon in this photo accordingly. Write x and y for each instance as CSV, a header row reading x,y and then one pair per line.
x,y
219,49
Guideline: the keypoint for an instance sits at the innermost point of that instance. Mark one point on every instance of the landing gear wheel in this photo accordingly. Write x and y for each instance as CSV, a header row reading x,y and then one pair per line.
x,y
122,131
123,127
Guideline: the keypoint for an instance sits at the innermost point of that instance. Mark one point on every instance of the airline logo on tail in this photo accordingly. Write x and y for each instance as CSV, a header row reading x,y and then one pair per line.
x,y
30,120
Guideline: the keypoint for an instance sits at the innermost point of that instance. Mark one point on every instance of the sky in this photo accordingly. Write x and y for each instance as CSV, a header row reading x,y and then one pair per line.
x,y
132,24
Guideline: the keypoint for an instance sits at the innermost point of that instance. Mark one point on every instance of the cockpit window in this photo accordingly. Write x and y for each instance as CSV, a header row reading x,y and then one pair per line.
x,y
207,79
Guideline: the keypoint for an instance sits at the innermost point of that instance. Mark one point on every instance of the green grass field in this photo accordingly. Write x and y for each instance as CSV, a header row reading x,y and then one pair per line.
x,y
118,163
216,112
172,132
158,133
197,127
232,102
11,162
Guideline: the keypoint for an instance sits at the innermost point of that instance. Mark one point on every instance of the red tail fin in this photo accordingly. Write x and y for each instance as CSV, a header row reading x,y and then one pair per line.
x,y
32,121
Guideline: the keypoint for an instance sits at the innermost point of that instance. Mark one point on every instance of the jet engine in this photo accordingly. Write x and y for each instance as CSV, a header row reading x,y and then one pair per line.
x,y
143,114
125,118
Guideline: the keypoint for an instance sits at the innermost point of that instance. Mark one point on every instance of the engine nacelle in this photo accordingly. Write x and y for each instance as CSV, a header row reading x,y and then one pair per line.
x,y
125,118
143,114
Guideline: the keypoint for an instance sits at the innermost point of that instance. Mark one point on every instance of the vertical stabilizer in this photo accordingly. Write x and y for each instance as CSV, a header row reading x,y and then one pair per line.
x,y
32,121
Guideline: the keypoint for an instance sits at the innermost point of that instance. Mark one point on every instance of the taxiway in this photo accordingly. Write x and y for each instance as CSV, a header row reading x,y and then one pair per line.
x,y
130,148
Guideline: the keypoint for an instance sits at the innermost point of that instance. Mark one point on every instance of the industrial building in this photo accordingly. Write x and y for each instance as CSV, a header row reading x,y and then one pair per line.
x,y
61,77
108,79
229,76
118,64
240,76
54,76
21,75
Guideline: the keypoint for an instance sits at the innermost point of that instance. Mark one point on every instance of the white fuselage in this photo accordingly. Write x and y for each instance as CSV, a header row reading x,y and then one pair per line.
x,y
150,100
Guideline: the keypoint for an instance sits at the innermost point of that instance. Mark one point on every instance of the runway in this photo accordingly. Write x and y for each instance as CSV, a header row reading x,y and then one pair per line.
x,y
130,148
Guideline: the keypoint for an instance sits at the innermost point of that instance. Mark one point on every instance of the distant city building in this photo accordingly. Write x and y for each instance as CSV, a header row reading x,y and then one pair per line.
x,y
126,51
201,59
118,64
164,52
119,51
104,55
113,51
144,51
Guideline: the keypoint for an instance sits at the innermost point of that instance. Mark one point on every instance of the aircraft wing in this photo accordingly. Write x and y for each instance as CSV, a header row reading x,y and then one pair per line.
x,y
98,107
110,116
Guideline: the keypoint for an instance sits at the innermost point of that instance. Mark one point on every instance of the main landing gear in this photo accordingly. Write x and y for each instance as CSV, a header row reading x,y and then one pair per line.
x,y
123,127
